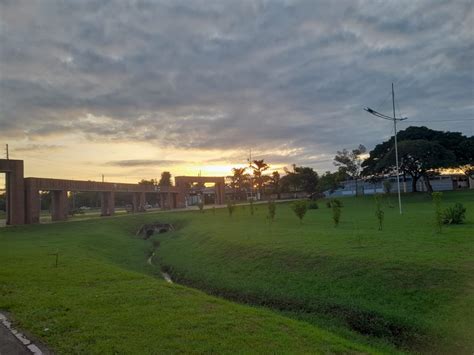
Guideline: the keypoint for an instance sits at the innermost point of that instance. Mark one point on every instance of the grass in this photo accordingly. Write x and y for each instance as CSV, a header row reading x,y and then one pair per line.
x,y
406,285
104,298
404,288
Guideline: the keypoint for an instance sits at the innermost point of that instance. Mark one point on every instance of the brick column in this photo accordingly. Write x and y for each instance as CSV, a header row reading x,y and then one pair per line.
x,y
59,208
32,203
15,189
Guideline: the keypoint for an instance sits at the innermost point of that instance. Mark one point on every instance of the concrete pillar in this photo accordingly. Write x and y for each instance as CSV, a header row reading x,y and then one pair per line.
x,y
32,203
107,203
59,206
134,202
141,201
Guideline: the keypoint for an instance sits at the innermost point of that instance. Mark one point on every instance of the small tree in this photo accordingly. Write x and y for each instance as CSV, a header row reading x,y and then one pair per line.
x,y
201,206
251,207
300,208
271,210
230,207
437,196
379,213
387,186
336,211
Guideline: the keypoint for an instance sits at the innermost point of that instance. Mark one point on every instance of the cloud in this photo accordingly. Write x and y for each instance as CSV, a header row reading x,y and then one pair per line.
x,y
291,76
144,162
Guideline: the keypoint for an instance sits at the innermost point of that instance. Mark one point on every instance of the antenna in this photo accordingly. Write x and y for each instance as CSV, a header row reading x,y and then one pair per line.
x,y
394,119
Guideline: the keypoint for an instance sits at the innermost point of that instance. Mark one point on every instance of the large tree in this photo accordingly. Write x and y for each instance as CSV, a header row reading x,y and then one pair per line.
x,y
429,151
301,178
275,183
165,179
350,162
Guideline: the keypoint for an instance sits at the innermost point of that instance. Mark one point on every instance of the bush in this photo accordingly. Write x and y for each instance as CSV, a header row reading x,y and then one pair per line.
x,y
455,214
313,205
271,210
437,209
300,208
328,204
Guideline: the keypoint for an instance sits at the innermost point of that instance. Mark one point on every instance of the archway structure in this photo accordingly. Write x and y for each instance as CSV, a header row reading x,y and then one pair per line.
x,y
183,184
23,194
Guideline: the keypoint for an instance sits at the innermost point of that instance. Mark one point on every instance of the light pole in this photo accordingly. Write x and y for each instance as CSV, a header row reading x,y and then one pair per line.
x,y
394,119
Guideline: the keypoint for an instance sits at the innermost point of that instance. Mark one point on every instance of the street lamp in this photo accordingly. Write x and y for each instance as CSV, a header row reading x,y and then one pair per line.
x,y
394,119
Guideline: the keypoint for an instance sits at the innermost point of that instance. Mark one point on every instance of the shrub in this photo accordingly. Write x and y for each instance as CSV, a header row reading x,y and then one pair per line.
x,y
379,213
455,214
336,211
313,205
387,186
271,210
436,196
300,208
328,204
230,207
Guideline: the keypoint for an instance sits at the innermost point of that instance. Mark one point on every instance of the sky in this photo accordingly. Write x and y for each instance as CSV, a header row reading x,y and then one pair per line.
x,y
129,89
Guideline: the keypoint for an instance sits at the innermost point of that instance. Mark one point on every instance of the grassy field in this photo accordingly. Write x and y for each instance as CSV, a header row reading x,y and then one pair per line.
x,y
104,298
403,288
405,285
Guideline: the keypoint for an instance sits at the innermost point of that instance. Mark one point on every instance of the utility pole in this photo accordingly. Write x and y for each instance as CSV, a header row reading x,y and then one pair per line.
x,y
394,119
6,151
102,177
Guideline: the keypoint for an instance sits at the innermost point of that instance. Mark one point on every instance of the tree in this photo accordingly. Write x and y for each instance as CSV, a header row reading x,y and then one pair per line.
x,y
165,179
258,167
302,178
238,181
350,162
275,184
299,208
417,158
152,182
331,181
461,154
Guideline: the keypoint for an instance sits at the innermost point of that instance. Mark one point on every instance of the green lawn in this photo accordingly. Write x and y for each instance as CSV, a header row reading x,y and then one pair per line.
x,y
104,298
406,287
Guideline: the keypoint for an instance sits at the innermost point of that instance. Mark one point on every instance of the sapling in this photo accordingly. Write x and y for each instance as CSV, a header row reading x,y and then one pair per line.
x,y
336,211
201,206
251,207
379,213
300,208
437,196
271,210
230,207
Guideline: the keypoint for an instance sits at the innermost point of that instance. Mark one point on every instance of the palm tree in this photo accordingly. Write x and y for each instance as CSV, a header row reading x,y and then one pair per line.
x,y
258,167
238,180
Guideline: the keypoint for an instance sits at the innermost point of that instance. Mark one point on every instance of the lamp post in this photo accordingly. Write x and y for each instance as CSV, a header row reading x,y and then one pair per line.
x,y
394,119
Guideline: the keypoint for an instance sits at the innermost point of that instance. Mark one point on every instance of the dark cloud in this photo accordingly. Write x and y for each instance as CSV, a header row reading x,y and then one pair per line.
x,y
279,75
